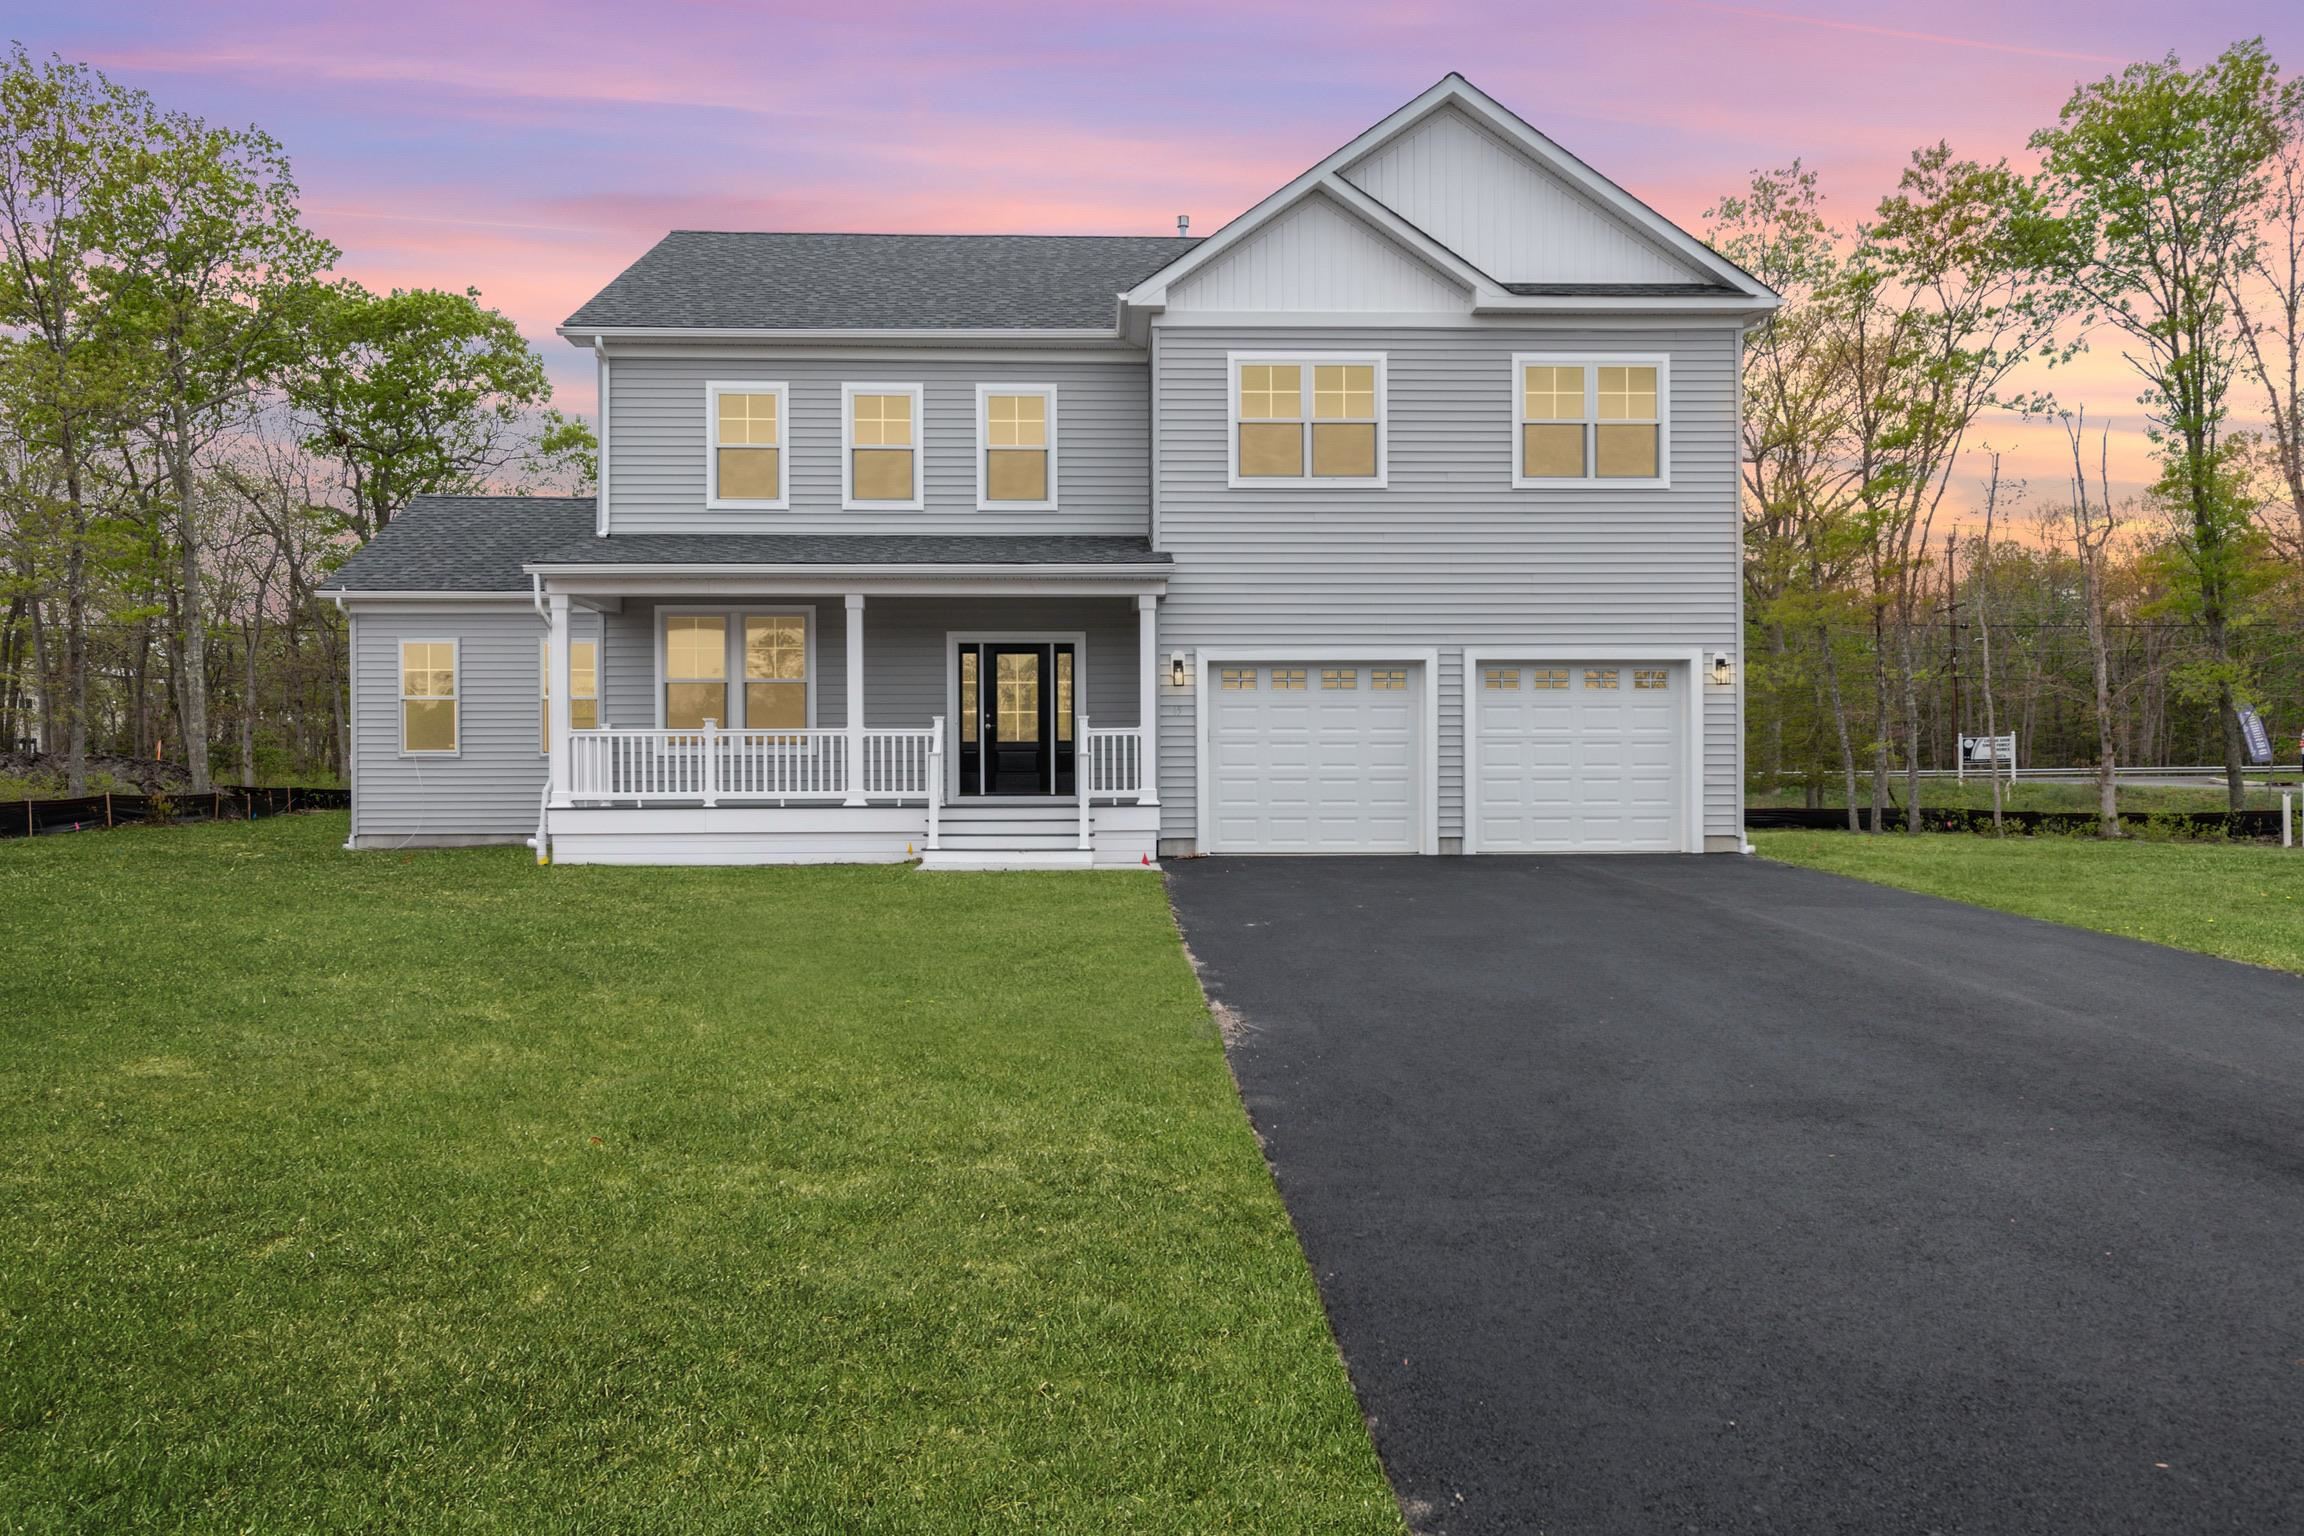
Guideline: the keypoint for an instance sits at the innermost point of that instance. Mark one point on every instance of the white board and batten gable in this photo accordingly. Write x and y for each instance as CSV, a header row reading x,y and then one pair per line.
x,y
1451,205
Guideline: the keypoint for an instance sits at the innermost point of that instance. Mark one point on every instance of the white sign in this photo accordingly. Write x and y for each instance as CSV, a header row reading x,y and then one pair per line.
x,y
1984,749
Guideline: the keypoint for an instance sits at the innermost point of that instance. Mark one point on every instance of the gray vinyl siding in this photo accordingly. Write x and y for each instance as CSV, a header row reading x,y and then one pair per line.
x,y
490,788
1448,554
904,653
657,449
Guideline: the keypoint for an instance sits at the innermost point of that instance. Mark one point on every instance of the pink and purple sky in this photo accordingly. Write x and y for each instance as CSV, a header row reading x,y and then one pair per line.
x,y
533,150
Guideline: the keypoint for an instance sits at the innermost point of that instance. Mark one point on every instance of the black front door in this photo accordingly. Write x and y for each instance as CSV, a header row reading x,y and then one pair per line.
x,y
1015,725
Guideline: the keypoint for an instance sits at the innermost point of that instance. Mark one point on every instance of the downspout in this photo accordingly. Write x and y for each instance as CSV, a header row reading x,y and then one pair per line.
x,y
542,841
351,708
600,485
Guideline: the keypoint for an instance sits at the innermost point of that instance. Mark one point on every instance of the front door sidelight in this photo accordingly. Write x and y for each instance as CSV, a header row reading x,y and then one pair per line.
x,y
1017,703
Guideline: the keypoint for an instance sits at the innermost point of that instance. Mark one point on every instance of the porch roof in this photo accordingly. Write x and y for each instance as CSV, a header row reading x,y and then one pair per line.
x,y
627,564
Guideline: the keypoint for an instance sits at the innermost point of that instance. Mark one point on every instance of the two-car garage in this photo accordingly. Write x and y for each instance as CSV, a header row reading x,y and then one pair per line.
x,y
1317,755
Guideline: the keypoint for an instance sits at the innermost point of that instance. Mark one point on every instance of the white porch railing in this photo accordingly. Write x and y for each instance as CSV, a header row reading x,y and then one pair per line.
x,y
713,765
1112,763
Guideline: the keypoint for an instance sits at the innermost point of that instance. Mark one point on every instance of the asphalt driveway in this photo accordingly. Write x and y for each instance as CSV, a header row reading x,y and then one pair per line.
x,y
1706,1194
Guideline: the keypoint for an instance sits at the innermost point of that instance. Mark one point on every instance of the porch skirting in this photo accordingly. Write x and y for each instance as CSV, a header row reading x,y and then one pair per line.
x,y
1120,835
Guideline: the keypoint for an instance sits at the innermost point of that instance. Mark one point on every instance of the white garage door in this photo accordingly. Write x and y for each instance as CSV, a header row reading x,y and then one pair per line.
x,y
1578,756
1313,757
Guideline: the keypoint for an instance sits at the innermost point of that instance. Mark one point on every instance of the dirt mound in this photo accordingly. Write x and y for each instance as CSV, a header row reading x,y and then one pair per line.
x,y
146,774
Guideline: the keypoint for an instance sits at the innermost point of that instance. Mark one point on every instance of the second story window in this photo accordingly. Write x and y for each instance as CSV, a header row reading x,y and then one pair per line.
x,y
881,456
1015,446
1311,420
747,426
1590,420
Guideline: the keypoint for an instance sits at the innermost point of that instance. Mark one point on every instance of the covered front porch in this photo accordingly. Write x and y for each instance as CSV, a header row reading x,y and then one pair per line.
x,y
966,717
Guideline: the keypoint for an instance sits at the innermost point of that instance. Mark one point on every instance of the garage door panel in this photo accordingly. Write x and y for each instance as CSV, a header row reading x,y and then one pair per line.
x,y
1579,756
1328,763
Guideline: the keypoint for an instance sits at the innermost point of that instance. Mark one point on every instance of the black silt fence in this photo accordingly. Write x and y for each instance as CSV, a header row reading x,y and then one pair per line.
x,y
2240,826
94,813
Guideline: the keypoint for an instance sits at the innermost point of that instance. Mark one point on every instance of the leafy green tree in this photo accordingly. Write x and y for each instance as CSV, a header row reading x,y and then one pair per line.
x,y
2158,175
66,375
211,267
418,391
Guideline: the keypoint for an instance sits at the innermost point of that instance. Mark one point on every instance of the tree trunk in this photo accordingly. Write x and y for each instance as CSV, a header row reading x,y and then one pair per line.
x,y
75,632
192,675
1840,723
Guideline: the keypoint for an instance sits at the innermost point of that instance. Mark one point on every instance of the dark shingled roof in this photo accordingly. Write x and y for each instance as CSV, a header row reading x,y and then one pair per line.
x,y
1621,290
484,544
779,282
853,549
464,544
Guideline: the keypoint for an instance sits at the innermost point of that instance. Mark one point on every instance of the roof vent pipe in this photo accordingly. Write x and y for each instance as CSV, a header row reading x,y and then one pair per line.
x,y
1183,226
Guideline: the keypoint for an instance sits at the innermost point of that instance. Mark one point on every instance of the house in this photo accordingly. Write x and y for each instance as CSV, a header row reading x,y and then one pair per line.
x,y
1401,515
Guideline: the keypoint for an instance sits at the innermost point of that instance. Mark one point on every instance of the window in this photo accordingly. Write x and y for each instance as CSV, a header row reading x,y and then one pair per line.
x,y
1588,420
695,670
768,653
1308,420
1388,679
881,463
428,696
583,689
775,672
1287,679
1015,445
1239,679
1502,679
1650,678
1546,679
1602,678
1340,679
746,423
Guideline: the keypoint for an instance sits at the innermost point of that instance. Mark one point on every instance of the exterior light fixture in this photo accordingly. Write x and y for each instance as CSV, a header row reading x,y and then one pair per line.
x,y
1177,676
1723,670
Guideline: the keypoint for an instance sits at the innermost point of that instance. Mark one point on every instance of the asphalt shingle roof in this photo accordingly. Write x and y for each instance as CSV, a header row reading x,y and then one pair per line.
x,y
464,543
696,278
484,543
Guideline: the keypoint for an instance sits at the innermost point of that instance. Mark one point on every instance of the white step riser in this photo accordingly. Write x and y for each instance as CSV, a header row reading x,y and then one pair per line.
x,y
950,859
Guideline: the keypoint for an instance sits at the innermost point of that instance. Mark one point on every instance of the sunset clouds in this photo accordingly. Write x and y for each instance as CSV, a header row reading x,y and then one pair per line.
x,y
532,150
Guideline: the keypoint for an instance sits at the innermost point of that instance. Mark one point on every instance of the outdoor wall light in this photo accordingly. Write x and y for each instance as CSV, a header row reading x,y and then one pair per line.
x,y
1177,677
1723,670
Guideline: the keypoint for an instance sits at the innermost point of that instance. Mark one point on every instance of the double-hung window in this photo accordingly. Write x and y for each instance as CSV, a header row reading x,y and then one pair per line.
x,y
880,450
1308,419
428,698
1596,420
747,426
1015,446
583,689
766,651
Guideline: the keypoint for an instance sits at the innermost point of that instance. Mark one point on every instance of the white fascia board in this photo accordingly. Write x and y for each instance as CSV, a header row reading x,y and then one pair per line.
x,y
586,336
737,581
1455,89
1516,131
1116,572
353,597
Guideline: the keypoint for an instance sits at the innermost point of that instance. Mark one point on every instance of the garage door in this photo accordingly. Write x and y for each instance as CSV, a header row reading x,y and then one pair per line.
x,y
1310,757
1578,756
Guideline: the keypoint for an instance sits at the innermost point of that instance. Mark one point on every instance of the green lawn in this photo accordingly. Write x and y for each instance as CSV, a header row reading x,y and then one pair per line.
x,y
2242,901
438,1192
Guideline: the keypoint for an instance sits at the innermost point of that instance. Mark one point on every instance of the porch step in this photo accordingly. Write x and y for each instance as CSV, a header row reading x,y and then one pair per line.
x,y
1012,827
978,842
1011,858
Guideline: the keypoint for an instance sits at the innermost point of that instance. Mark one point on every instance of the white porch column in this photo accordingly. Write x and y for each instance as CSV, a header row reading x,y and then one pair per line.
x,y
556,659
1148,694
855,698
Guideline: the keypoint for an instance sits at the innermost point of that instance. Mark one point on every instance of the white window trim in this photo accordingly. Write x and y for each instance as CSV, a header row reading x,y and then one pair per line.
x,y
984,393
1592,363
544,683
713,500
1309,361
402,696
735,615
848,394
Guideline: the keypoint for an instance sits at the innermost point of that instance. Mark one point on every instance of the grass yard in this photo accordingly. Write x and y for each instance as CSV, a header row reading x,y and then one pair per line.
x,y
437,1192
2239,900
